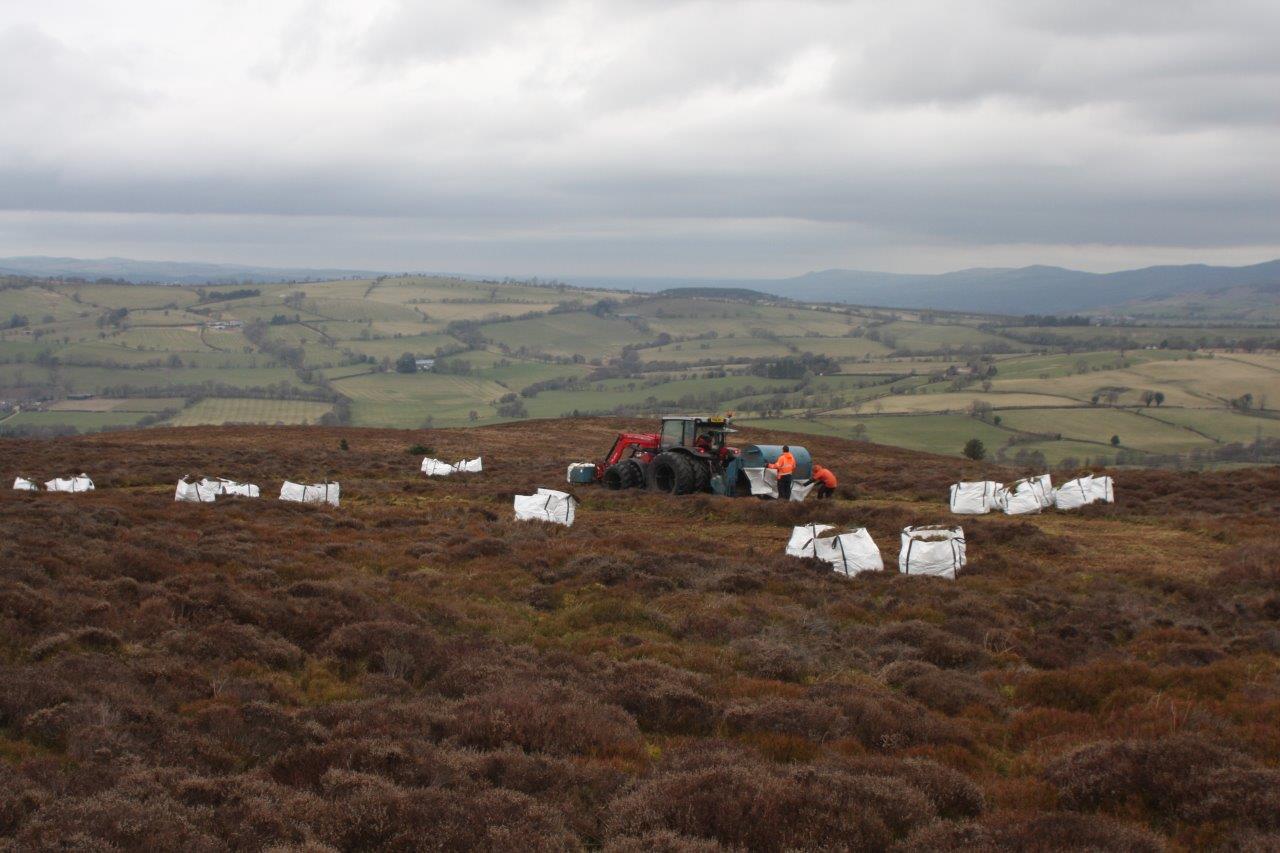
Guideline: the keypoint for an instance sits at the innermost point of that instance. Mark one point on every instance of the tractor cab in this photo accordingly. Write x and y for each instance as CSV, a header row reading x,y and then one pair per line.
x,y
702,436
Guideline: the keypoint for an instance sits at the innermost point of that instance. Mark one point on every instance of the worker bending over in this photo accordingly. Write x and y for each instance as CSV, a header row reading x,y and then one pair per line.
x,y
785,466
826,480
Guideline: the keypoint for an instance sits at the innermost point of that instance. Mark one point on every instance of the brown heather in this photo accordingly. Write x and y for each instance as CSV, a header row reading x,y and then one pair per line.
x,y
417,670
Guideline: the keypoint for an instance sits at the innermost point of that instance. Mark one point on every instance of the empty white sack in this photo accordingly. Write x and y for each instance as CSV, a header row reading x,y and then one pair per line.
x,y
435,468
223,486
546,505
764,481
313,494
194,492
938,551
801,490
70,484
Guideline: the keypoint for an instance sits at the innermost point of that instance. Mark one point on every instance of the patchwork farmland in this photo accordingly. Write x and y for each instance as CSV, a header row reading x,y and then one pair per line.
x,y
492,352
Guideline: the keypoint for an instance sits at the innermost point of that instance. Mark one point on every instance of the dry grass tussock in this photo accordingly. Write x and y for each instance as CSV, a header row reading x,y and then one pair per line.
x,y
417,668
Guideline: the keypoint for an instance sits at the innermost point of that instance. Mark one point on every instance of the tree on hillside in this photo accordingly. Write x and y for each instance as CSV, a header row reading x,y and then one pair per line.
x,y
406,364
1159,398
975,449
1115,441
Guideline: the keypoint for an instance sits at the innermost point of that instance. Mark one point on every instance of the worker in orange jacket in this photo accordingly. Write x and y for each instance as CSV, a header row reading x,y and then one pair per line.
x,y
826,480
785,465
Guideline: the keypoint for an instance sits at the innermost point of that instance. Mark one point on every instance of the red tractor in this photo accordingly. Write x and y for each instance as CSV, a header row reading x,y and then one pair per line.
x,y
689,455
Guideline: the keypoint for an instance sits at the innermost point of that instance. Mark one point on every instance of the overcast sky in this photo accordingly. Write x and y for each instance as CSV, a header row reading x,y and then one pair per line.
x,y
655,137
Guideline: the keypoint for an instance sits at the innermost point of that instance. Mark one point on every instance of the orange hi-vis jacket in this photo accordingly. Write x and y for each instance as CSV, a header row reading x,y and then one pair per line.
x,y
785,465
825,476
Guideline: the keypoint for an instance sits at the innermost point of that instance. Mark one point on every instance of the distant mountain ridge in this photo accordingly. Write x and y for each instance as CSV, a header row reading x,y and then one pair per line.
x,y
990,290
1035,289
1024,290
164,272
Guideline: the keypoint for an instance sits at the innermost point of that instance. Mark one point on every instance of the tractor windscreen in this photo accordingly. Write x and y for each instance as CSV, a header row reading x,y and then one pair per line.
x,y
673,433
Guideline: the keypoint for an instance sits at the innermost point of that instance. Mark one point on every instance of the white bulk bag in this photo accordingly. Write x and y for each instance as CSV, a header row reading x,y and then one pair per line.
x,y
850,553
976,498
1044,487
764,481
222,486
546,505
800,491
1103,489
1074,494
803,537
935,551
1023,497
213,486
436,468
22,484
70,484
316,493
194,492
470,466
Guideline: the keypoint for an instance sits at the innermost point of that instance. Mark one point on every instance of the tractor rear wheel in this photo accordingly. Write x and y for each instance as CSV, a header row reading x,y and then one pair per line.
x,y
701,475
674,473
624,475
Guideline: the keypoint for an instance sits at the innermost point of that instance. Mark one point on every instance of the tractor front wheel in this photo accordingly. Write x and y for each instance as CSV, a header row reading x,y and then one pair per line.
x,y
674,473
624,475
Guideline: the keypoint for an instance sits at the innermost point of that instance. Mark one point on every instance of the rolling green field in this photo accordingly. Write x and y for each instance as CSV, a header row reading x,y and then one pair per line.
x,y
82,421
250,411
926,380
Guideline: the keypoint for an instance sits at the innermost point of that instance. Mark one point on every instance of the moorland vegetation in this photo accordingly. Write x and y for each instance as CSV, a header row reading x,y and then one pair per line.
x,y
416,667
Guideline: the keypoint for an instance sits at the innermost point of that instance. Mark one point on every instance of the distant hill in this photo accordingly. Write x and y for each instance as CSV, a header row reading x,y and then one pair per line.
x,y
1214,292
1026,290
1258,303
995,290
741,294
165,272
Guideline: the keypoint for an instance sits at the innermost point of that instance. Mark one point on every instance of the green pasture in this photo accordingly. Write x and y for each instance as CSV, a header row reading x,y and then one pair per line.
x,y
1221,424
571,333
719,350
237,410
407,399
420,345
929,337
1100,424
131,296
81,421
671,397
945,434
37,303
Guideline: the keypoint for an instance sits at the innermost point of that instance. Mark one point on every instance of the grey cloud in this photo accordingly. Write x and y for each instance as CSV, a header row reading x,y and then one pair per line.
x,y
608,130
47,86
1175,65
